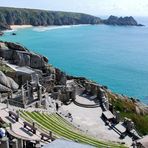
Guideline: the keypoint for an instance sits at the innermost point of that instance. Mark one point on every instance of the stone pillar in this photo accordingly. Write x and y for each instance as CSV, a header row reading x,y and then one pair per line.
x,y
34,131
111,108
8,98
73,94
15,143
117,114
46,102
4,142
7,103
0,98
129,124
37,145
94,89
20,143
134,144
18,113
50,134
106,103
10,125
23,96
103,99
33,124
27,84
39,93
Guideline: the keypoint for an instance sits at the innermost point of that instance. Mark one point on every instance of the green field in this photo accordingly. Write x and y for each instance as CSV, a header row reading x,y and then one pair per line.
x,y
62,128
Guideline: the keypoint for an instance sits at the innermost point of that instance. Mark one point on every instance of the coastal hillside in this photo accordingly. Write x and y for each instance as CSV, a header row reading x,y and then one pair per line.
x,y
34,17
18,16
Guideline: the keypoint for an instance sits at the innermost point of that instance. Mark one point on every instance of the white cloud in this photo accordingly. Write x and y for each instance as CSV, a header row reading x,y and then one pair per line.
x,y
96,7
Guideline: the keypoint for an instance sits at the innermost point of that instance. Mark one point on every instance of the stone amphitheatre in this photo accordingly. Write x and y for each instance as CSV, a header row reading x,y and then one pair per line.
x,y
40,104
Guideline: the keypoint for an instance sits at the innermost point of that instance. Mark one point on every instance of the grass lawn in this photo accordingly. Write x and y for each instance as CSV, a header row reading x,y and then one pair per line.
x,y
62,128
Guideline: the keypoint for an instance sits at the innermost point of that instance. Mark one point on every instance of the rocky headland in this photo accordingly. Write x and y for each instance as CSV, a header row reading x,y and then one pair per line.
x,y
20,16
121,21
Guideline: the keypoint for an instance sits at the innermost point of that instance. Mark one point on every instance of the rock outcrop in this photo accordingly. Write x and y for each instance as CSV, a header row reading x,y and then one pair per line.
x,y
18,55
121,21
1,33
7,84
4,26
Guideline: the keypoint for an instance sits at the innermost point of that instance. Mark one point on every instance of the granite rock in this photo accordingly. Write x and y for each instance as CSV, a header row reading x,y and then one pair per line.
x,y
7,84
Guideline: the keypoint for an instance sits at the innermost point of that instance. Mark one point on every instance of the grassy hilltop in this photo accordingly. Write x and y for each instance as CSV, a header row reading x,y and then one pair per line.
x,y
20,16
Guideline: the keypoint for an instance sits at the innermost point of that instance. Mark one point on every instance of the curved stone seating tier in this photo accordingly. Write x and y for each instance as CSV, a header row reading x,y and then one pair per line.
x,y
86,105
84,101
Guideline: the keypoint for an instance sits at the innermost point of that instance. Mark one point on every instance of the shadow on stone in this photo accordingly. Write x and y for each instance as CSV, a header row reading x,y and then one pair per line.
x,y
10,119
26,131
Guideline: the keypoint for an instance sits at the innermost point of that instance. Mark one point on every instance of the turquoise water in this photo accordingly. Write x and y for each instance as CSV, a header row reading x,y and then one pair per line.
x,y
111,55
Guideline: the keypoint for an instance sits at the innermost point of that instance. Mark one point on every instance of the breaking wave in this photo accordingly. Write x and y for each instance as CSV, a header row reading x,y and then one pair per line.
x,y
42,29
13,30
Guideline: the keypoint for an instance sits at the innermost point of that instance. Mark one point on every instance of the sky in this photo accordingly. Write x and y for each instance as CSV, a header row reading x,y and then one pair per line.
x,y
94,7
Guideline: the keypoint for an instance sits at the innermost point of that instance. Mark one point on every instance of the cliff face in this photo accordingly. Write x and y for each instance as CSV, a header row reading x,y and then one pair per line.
x,y
17,16
4,26
18,55
121,21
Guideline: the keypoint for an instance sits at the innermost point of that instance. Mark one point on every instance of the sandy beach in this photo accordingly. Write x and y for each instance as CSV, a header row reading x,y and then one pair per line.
x,y
14,27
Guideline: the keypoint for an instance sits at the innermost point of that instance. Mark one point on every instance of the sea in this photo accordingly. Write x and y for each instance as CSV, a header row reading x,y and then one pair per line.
x,y
114,56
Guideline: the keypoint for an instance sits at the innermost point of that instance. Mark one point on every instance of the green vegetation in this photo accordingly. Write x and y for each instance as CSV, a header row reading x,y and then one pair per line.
x,y
127,109
140,121
4,68
19,16
63,128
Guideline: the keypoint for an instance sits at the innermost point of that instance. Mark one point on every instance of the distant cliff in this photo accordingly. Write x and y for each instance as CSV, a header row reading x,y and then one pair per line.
x,y
121,21
21,16
4,26
18,16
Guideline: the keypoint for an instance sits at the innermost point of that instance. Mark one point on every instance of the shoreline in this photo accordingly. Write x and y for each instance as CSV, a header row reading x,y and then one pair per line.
x,y
14,27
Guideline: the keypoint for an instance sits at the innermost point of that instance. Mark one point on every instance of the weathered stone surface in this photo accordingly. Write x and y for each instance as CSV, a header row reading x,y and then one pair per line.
x,y
12,83
60,77
7,84
15,46
4,89
4,80
4,26
21,59
37,61
19,55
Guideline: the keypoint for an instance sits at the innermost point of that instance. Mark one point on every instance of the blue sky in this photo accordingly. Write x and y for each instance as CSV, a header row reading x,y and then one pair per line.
x,y
95,7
